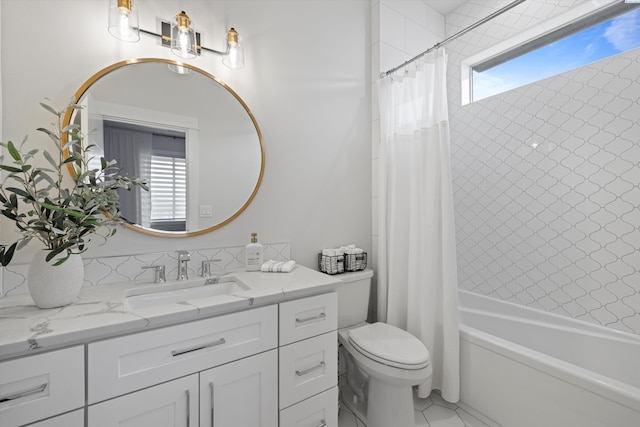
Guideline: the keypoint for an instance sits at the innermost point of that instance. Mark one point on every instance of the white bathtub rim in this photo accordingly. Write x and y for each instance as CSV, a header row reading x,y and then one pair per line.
x,y
598,331
590,381
561,319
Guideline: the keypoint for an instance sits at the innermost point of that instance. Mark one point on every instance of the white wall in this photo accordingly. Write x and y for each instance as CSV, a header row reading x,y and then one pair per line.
x,y
306,81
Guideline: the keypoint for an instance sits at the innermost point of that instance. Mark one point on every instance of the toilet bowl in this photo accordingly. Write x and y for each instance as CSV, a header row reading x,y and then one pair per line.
x,y
383,362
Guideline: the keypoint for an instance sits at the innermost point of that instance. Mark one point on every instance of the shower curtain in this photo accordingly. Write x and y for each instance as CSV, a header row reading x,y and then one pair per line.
x,y
417,279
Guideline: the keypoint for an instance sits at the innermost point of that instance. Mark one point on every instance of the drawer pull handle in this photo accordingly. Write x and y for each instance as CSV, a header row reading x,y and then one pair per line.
x,y
320,316
306,371
188,407
323,423
212,404
25,393
175,353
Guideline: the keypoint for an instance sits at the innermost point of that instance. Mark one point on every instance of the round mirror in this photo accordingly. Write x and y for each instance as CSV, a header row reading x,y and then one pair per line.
x,y
188,134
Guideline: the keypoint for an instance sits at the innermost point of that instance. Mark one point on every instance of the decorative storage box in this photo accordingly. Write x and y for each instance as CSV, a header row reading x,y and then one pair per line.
x,y
340,263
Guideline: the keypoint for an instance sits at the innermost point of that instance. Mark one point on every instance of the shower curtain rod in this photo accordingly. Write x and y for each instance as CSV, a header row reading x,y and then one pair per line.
x,y
455,36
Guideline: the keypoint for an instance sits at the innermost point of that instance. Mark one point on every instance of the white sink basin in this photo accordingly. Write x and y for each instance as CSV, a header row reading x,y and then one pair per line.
x,y
181,291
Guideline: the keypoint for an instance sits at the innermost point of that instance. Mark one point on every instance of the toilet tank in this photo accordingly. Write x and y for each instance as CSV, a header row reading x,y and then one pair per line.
x,y
353,297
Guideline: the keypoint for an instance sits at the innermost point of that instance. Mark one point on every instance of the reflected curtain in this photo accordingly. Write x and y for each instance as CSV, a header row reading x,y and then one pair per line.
x,y
132,150
417,279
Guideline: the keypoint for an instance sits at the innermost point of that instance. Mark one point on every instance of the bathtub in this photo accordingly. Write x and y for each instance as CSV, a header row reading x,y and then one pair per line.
x,y
524,367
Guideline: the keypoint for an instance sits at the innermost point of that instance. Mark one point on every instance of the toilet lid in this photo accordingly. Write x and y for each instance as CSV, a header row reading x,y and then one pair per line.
x,y
390,345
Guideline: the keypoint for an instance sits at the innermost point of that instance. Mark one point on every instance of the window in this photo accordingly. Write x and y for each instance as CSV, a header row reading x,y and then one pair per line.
x,y
574,42
169,189
159,157
168,183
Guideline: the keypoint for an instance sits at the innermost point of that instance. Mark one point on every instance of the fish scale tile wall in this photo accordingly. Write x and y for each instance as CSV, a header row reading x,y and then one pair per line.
x,y
547,179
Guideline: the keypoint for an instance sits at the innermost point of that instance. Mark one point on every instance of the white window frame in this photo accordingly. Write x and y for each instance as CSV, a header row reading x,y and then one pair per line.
x,y
577,13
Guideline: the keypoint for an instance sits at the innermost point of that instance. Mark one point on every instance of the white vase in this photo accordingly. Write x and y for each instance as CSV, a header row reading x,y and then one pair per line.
x,y
54,286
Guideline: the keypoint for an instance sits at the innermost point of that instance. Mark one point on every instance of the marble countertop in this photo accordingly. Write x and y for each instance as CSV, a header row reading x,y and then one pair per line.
x,y
99,311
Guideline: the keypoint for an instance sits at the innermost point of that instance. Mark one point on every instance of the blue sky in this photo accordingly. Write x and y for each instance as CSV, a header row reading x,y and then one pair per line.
x,y
611,37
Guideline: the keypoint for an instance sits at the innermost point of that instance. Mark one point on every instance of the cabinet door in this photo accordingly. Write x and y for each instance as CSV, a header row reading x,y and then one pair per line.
x,y
172,404
72,419
242,393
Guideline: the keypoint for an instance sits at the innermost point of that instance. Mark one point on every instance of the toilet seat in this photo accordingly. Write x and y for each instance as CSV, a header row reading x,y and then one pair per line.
x,y
390,346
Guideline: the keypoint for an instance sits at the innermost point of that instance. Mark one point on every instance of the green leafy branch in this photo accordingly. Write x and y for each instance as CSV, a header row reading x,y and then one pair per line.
x,y
63,219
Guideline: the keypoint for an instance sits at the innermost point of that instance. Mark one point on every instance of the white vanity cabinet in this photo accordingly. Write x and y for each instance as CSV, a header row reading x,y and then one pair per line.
x,y
41,386
308,366
155,377
270,366
241,393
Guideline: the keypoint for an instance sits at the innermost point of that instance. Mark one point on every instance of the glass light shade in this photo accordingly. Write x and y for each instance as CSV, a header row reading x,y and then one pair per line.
x,y
235,51
183,37
123,20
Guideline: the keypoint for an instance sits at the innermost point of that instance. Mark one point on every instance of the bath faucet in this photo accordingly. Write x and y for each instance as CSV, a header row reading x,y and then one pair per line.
x,y
159,276
183,258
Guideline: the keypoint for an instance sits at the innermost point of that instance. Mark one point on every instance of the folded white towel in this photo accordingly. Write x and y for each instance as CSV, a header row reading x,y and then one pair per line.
x,y
353,251
273,266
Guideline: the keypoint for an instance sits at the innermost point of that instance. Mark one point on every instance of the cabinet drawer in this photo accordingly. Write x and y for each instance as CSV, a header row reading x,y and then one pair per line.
x,y
40,386
308,367
125,364
317,411
308,317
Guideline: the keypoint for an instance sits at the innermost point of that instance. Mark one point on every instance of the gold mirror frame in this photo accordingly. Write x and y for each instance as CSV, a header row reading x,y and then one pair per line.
x,y
105,71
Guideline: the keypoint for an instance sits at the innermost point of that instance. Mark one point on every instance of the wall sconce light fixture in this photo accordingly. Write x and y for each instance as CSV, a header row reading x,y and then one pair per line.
x,y
178,34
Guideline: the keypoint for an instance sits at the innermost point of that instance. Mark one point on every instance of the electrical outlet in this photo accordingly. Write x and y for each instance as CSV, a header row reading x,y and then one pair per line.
x,y
206,211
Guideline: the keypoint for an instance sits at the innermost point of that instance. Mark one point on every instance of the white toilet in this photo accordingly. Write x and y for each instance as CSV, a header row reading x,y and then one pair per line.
x,y
383,362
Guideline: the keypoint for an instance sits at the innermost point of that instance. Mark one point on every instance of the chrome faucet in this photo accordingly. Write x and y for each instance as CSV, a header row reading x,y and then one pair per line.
x,y
183,258
206,266
159,276
206,272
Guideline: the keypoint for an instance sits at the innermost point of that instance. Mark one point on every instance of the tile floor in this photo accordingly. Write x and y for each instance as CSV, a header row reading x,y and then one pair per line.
x,y
430,412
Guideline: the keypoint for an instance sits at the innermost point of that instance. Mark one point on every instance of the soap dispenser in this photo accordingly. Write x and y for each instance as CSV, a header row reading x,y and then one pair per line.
x,y
253,254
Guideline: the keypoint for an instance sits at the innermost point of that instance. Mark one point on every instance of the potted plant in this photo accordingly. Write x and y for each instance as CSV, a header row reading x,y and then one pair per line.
x,y
63,218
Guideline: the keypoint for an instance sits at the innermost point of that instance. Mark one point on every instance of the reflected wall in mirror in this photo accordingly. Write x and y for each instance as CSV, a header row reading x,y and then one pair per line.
x,y
190,136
